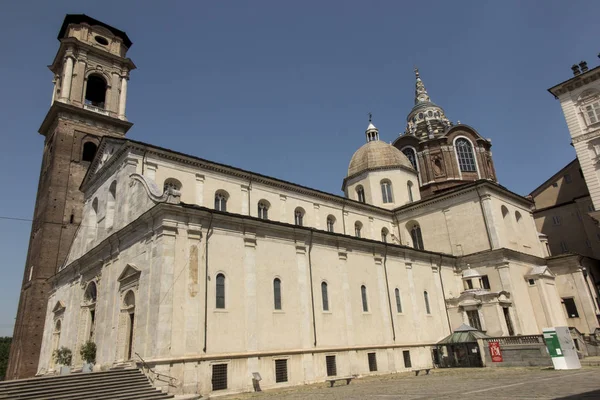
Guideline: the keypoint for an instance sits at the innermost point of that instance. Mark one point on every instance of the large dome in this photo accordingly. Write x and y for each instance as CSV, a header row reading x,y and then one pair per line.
x,y
377,154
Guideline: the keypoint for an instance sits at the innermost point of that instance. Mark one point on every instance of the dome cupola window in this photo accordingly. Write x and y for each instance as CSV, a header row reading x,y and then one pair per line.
x,y
464,152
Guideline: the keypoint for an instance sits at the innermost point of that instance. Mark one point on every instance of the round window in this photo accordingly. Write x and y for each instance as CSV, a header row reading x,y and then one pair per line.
x,y
420,115
101,40
430,113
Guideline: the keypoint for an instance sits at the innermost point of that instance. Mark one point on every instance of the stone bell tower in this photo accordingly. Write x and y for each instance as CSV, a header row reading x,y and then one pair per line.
x,y
88,101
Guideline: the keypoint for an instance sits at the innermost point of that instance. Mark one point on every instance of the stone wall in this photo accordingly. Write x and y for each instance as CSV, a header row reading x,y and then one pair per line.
x,y
518,351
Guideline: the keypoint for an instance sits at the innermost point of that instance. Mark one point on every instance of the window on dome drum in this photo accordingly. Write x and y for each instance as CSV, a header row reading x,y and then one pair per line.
x,y
386,191
281,371
372,357
466,158
360,194
473,316
593,112
299,216
410,154
570,307
330,223
95,92
277,293
89,151
363,294
398,300
409,186
172,183
219,376
263,210
220,293
384,235
417,238
221,202
426,298
357,228
324,296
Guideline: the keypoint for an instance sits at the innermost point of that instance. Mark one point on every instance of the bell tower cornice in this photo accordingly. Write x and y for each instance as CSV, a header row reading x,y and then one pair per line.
x,y
77,50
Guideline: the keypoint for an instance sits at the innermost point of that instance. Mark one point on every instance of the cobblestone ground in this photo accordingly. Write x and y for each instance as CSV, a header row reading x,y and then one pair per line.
x,y
464,384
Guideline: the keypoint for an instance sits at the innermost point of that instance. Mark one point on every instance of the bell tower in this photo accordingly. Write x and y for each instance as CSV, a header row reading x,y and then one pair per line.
x,y
91,72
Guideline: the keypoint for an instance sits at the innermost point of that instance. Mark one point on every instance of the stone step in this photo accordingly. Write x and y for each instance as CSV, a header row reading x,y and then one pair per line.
x,y
49,387
77,376
108,393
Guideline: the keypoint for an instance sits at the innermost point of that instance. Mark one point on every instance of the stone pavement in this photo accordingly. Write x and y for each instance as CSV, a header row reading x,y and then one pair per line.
x,y
449,384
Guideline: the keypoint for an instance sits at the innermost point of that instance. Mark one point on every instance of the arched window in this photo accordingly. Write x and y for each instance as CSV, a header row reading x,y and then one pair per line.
x,y
363,294
398,300
324,296
95,92
464,152
173,184
277,293
221,201
220,293
409,186
91,293
110,205
299,216
360,194
426,298
89,151
330,223
417,238
93,222
263,209
412,157
357,228
504,211
518,216
386,191
384,235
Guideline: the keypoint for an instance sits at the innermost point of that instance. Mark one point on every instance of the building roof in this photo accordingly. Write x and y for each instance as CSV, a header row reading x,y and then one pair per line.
x,y
463,334
553,178
375,155
82,18
558,89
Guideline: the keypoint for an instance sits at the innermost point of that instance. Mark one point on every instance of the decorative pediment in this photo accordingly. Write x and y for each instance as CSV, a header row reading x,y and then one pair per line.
x,y
59,307
130,273
541,271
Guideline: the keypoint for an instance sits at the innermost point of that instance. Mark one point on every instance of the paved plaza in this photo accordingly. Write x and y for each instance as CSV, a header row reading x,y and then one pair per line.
x,y
464,384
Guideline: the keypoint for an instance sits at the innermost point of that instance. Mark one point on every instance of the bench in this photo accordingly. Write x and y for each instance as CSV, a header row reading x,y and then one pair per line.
x,y
419,370
341,378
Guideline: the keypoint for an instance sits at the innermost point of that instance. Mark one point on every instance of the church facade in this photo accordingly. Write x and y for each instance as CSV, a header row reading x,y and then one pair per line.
x,y
212,274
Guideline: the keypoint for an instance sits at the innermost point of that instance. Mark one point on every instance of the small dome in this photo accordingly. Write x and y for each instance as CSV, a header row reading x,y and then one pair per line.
x,y
470,273
377,154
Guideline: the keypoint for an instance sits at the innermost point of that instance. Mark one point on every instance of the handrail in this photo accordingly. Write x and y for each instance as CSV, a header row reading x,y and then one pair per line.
x,y
172,381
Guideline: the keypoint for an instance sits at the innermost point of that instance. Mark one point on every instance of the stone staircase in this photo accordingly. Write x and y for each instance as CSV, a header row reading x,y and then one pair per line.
x,y
122,384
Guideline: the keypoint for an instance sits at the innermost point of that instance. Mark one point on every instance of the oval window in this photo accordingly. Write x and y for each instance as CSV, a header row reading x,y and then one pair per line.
x,y
420,115
101,40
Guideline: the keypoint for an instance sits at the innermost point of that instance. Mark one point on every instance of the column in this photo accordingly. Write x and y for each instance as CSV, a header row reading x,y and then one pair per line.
x,y
199,189
66,89
317,223
305,310
488,216
123,97
383,299
343,257
53,90
251,300
245,189
415,308
505,282
283,217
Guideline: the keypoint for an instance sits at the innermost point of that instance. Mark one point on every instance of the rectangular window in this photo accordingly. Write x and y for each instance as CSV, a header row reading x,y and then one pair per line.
x,y
331,367
593,112
485,282
406,355
511,331
468,284
281,371
556,220
563,247
219,376
571,307
531,282
554,184
474,321
568,178
372,362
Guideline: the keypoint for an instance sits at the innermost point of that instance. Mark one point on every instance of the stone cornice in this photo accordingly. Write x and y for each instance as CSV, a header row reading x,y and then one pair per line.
x,y
575,82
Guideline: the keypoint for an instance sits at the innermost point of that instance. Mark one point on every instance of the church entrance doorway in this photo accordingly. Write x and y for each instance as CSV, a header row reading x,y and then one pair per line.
x,y
128,326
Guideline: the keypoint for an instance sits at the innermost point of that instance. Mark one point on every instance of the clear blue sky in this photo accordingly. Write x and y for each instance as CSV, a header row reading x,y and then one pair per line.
x,y
283,88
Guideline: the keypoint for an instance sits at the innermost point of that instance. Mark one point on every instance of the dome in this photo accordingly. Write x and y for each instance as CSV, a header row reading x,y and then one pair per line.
x,y
470,273
377,154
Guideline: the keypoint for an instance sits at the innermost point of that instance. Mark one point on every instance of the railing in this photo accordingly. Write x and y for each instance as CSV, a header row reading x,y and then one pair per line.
x,y
95,109
153,375
517,340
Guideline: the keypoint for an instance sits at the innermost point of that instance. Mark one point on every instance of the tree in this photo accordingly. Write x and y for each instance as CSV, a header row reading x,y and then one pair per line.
x,y
4,351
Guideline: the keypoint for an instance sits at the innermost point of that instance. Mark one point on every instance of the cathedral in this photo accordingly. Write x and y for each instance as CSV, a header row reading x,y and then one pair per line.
x,y
215,275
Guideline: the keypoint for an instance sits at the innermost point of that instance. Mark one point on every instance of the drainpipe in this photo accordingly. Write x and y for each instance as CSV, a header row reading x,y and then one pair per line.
x,y
387,286
208,234
444,296
312,295
485,222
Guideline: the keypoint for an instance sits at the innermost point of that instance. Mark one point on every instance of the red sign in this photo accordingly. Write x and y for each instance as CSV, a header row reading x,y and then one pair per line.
x,y
495,351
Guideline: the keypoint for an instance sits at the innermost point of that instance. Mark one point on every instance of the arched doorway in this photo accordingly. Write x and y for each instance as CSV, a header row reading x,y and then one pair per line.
x,y
128,324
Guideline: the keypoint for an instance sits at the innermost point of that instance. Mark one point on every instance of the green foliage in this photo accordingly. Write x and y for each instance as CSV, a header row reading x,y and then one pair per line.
x,y
4,351
63,356
88,352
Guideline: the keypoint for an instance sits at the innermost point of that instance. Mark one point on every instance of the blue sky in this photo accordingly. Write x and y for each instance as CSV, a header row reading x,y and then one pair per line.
x,y
283,88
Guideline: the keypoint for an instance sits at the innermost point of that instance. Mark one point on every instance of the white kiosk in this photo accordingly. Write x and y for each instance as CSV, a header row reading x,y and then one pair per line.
x,y
561,348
